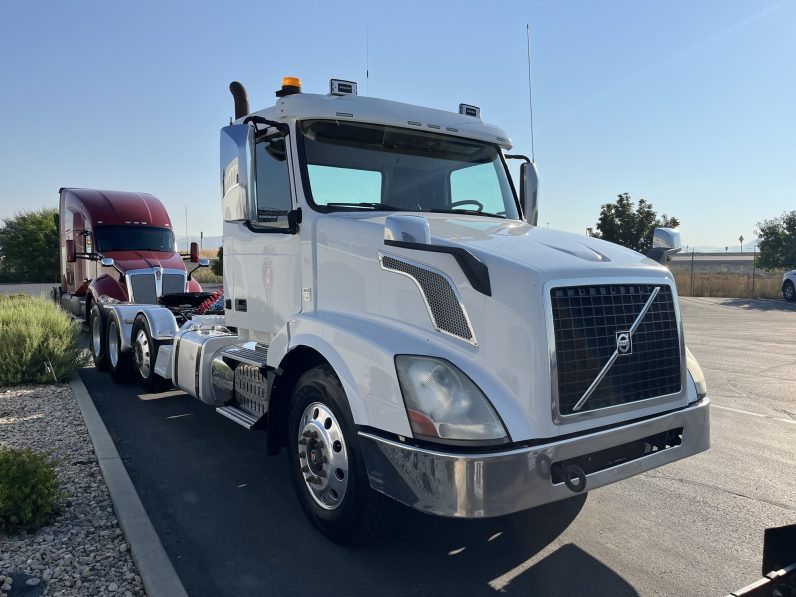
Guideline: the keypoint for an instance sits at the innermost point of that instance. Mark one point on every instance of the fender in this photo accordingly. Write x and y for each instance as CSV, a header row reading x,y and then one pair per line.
x,y
362,351
106,285
194,286
364,363
160,319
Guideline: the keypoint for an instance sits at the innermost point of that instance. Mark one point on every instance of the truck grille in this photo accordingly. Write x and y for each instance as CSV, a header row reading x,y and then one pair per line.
x,y
173,283
144,289
587,321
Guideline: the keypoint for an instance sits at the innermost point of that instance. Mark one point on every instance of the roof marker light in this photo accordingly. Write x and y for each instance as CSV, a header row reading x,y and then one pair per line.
x,y
469,110
290,85
340,87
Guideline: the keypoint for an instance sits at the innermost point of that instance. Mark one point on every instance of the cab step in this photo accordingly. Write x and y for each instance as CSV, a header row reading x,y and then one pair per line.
x,y
241,417
251,353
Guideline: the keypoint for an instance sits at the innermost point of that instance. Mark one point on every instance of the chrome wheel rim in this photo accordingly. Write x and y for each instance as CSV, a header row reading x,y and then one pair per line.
x,y
789,292
141,354
322,455
113,344
96,336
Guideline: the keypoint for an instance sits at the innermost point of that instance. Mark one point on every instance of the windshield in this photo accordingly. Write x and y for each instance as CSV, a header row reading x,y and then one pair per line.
x,y
133,238
368,166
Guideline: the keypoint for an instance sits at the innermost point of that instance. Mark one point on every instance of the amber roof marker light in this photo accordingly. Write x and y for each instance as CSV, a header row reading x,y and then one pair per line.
x,y
290,85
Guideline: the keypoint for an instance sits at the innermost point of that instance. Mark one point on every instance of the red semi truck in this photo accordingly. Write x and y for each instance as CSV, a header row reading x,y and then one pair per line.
x,y
119,247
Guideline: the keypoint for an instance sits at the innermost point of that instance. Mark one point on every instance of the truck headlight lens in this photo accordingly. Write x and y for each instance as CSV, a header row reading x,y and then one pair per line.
x,y
444,404
696,374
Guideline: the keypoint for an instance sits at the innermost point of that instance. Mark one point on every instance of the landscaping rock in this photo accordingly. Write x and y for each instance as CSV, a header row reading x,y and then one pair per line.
x,y
82,551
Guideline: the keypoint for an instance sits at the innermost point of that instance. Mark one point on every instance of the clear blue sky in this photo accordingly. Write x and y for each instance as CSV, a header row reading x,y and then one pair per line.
x,y
691,105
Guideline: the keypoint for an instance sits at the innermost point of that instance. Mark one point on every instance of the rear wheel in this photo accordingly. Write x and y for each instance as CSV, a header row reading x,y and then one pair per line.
x,y
121,363
788,291
145,353
97,337
326,464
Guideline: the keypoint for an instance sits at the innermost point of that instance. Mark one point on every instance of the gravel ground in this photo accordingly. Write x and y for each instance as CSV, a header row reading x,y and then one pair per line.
x,y
83,551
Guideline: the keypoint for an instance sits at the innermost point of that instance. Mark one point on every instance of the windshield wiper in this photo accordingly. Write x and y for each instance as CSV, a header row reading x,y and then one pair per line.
x,y
373,206
469,212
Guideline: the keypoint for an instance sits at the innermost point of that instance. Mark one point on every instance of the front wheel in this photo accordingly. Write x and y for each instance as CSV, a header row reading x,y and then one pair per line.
x,y
788,291
145,353
97,337
326,464
121,364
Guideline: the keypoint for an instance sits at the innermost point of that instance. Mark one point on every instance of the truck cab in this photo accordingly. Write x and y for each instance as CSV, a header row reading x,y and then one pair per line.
x,y
116,246
396,320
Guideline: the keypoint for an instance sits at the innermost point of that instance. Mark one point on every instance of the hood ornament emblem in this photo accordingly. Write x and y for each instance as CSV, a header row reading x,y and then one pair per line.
x,y
624,346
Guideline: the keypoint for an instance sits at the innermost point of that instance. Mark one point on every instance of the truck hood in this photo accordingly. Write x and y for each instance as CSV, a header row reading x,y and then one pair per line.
x,y
132,260
550,254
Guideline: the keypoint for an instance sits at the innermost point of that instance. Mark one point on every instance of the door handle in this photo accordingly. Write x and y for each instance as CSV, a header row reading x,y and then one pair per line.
x,y
240,304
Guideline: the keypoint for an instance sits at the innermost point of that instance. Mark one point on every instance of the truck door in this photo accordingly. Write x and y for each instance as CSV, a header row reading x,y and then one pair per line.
x,y
262,272
78,229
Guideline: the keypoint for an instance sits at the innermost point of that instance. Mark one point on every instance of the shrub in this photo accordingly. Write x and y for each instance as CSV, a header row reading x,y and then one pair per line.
x,y
38,342
28,489
218,265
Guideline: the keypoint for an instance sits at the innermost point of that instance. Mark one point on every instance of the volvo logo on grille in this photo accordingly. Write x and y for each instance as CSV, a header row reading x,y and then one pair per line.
x,y
624,343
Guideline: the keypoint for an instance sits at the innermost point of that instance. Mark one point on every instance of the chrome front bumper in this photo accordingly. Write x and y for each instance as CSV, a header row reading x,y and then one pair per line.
x,y
484,485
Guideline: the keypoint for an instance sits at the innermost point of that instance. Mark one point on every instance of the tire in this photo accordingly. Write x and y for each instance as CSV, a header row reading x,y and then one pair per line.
x,y
788,291
121,363
145,353
341,503
97,337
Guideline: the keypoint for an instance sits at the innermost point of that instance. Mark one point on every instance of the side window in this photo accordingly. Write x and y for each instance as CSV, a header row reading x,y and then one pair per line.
x,y
272,184
479,187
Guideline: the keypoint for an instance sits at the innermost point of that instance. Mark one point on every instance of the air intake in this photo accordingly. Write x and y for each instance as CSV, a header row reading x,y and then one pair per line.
x,y
440,295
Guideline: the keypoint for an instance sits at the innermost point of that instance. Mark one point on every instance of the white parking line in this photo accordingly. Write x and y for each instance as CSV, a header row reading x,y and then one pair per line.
x,y
746,412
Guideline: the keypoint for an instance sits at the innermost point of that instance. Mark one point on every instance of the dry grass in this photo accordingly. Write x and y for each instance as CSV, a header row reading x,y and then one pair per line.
x,y
206,276
208,253
730,285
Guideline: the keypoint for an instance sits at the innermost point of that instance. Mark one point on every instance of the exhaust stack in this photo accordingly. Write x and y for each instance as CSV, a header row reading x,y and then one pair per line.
x,y
241,99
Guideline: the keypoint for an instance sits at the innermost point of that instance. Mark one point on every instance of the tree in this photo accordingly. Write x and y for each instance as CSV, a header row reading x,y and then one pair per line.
x,y
777,242
625,224
29,250
217,267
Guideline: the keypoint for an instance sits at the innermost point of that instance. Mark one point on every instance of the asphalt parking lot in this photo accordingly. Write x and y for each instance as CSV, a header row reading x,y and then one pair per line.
x,y
229,520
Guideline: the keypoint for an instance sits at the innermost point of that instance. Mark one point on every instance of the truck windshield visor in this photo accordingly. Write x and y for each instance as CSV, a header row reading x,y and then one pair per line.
x,y
134,238
359,166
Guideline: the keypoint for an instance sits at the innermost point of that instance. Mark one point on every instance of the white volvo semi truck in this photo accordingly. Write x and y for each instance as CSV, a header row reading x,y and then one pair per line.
x,y
396,320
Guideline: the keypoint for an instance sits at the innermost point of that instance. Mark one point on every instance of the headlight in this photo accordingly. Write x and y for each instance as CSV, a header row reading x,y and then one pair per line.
x,y
696,374
444,404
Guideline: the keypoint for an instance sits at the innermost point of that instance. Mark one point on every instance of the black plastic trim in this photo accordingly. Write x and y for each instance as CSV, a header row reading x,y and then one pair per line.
x,y
474,269
282,127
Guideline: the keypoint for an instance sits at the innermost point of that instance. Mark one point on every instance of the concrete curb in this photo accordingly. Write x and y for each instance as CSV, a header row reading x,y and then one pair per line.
x,y
158,575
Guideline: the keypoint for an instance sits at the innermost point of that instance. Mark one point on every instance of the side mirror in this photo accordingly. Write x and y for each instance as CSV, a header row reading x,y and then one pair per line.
x,y
529,192
194,258
665,242
71,253
204,263
107,262
237,172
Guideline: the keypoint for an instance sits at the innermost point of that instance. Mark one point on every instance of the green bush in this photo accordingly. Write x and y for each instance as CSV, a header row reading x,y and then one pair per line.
x,y
217,266
28,490
38,342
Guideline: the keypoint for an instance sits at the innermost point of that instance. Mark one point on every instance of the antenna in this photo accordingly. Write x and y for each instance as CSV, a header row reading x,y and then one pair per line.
x,y
367,48
530,89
